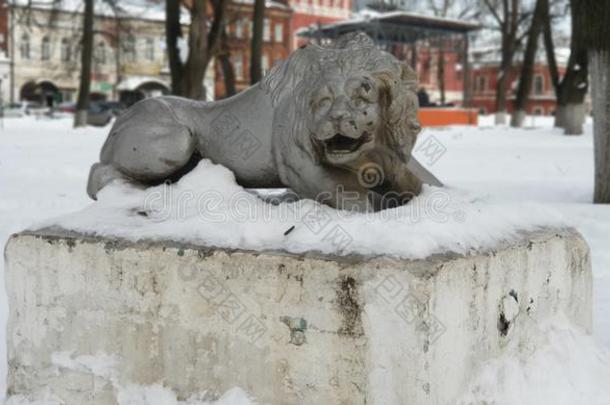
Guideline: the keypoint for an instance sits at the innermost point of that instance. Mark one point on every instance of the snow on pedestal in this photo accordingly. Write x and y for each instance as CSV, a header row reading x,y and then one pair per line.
x,y
90,316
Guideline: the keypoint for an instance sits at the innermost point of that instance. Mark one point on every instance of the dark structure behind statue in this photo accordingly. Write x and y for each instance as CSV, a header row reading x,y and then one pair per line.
x,y
336,124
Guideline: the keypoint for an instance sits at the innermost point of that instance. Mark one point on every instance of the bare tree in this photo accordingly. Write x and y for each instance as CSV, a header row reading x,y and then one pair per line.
x,y
570,90
84,89
203,44
591,28
440,9
508,17
228,73
459,9
256,53
529,61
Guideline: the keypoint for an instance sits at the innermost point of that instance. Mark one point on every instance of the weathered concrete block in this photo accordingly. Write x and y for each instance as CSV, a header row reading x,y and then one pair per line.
x,y
287,329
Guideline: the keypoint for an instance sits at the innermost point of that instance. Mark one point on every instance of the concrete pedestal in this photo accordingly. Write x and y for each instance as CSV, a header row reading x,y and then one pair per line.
x,y
287,329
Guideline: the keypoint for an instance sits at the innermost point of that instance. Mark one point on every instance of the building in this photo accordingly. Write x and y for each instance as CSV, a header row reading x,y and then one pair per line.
x,y
316,12
5,62
130,61
428,66
283,19
276,41
485,75
420,41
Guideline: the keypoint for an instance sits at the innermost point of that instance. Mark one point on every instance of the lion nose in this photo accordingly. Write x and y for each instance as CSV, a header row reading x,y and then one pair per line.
x,y
339,110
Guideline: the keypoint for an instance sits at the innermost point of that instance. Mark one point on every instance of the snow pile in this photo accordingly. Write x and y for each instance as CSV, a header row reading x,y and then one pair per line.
x,y
208,207
568,368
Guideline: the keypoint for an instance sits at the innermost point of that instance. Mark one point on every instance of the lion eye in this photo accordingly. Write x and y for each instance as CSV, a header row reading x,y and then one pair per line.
x,y
360,102
323,103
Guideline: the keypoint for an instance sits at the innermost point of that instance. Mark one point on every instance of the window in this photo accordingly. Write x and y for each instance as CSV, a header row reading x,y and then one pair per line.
x,y
150,49
238,66
538,111
267,31
45,49
130,49
24,47
538,84
65,51
101,52
250,29
481,84
265,63
279,32
67,95
239,28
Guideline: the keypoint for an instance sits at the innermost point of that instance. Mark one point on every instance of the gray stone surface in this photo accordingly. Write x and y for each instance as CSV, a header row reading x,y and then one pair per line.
x,y
287,329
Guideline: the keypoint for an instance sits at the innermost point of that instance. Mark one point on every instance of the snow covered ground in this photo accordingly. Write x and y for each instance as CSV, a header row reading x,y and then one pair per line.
x,y
536,171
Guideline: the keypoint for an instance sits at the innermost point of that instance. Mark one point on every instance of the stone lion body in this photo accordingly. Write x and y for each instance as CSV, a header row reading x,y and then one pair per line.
x,y
315,124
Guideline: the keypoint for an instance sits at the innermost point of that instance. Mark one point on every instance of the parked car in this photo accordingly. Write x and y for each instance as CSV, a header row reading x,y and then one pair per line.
x,y
99,114
67,107
37,109
23,108
116,107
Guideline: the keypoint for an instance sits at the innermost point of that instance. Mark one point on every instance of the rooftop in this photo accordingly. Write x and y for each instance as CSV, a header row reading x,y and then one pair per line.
x,y
394,26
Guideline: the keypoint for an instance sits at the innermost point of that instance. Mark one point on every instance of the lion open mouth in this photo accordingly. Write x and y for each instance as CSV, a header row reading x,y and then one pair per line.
x,y
341,144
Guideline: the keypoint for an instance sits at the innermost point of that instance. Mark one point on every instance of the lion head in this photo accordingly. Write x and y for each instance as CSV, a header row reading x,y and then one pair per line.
x,y
337,104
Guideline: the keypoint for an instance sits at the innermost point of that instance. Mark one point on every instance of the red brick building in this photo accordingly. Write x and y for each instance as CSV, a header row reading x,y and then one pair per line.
x,y
427,72
316,12
485,77
276,41
4,31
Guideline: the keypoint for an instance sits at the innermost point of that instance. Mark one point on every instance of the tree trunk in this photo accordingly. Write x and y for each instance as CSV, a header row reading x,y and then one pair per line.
x,y
549,47
258,20
228,73
82,104
414,57
600,94
501,97
590,28
527,69
503,78
117,55
509,26
187,77
194,69
570,113
574,91
467,73
173,32
441,72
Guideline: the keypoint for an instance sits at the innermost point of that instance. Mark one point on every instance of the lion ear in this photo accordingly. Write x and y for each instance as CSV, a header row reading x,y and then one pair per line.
x,y
402,109
409,83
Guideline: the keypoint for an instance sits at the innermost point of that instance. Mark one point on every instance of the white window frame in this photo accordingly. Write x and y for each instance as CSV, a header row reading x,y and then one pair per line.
x,y
238,66
25,47
150,49
278,32
239,28
535,89
267,30
45,48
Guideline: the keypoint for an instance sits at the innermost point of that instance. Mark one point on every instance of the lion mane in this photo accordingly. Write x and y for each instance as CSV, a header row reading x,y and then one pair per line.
x,y
290,85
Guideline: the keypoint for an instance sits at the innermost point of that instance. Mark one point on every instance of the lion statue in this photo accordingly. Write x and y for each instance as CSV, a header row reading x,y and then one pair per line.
x,y
332,123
